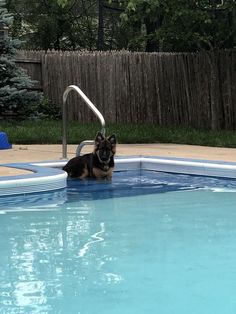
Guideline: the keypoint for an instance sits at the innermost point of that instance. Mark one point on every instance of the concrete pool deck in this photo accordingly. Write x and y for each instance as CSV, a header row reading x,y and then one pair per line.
x,y
33,153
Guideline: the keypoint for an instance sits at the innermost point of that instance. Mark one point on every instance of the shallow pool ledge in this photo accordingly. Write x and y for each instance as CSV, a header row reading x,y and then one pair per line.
x,y
42,179
48,176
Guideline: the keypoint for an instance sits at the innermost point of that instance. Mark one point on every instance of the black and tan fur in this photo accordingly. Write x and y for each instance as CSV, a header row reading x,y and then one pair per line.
x,y
99,164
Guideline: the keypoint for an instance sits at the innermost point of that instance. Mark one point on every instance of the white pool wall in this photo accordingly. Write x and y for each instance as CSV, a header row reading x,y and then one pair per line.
x,y
48,176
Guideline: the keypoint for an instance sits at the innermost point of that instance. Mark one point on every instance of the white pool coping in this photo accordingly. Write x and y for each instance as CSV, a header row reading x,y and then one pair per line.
x,y
48,176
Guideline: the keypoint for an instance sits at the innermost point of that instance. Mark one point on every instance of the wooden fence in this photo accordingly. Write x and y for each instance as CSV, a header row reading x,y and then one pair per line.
x,y
196,90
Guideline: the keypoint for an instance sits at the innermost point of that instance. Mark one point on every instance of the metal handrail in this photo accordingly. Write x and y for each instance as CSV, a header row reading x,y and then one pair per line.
x,y
64,115
81,145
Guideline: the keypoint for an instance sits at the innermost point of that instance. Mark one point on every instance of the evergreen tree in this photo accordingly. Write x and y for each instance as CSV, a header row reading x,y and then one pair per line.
x,y
14,82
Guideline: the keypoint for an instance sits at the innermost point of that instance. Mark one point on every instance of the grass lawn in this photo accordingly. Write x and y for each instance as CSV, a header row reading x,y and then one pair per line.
x,y
50,132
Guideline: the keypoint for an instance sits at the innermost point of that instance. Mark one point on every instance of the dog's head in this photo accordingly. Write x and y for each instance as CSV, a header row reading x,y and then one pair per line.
x,y
105,147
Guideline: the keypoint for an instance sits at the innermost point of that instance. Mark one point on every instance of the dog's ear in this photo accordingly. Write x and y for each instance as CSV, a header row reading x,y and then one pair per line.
x,y
112,139
99,137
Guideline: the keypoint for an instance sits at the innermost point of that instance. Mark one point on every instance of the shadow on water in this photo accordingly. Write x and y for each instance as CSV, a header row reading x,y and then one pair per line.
x,y
123,184
132,183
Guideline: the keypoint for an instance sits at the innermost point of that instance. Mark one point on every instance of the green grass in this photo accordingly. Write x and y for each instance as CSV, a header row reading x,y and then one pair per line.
x,y
50,132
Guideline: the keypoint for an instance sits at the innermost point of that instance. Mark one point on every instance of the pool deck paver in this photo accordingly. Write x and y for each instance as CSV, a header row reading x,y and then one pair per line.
x,y
33,153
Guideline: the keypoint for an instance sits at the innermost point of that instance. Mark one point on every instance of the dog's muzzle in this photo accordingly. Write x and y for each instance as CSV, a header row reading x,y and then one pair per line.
x,y
104,157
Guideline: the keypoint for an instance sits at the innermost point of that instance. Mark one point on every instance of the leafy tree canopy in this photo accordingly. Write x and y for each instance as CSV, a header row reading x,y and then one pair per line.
x,y
63,24
182,25
146,25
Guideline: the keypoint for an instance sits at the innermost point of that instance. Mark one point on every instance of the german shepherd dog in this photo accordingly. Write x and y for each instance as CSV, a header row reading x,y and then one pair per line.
x,y
99,164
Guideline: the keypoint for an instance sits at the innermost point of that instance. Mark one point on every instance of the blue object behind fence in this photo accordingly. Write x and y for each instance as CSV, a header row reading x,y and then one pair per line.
x,y
4,144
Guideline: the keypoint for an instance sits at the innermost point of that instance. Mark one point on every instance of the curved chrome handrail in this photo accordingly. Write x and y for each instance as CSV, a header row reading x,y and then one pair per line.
x,y
64,115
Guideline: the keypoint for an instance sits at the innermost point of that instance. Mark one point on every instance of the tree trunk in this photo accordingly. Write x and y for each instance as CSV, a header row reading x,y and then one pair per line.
x,y
152,43
100,45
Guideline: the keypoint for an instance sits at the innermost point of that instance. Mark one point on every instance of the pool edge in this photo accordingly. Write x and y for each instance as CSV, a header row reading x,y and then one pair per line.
x,y
48,176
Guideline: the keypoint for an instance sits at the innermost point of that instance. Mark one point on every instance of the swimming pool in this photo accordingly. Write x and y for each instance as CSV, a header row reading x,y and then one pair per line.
x,y
147,242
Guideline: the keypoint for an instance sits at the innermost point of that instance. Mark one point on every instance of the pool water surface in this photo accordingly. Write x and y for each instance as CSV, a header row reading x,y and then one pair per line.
x,y
146,243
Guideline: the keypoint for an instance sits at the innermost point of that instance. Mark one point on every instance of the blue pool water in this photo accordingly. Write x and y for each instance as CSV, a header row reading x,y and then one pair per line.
x,y
144,243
